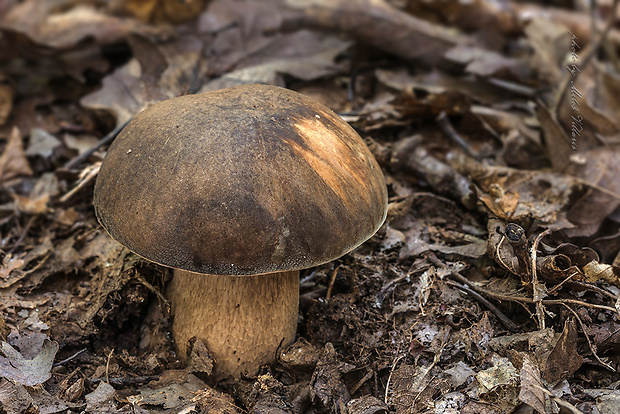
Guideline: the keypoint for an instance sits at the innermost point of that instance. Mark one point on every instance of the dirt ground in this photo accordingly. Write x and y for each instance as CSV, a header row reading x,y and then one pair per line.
x,y
492,287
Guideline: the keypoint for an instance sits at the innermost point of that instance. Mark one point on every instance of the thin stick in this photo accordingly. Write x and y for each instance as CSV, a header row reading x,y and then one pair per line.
x,y
107,366
64,361
22,236
361,382
583,329
558,401
331,284
510,325
102,142
540,310
447,128
387,385
499,257
499,296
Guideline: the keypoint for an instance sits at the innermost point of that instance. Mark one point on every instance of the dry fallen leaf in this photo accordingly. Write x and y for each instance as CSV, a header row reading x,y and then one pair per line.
x,y
498,384
160,11
530,386
377,23
564,358
601,168
42,23
27,371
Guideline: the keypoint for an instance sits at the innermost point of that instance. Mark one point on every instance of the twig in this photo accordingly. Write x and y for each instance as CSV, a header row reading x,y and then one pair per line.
x,y
510,325
102,142
557,400
387,385
585,60
124,381
87,176
331,284
436,359
64,361
22,236
583,329
447,128
559,285
536,289
107,366
547,302
513,87
361,382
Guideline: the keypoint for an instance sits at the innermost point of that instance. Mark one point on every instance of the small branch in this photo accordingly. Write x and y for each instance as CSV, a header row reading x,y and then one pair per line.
x,y
64,361
570,407
387,385
583,329
510,325
447,128
546,302
332,280
107,366
536,286
74,162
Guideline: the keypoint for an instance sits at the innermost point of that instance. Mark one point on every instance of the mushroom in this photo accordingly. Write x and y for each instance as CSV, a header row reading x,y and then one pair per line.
x,y
237,190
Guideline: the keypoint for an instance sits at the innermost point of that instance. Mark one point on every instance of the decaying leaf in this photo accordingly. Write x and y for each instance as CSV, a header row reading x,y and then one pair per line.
x,y
367,405
327,384
531,382
101,399
499,384
27,371
377,23
600,170
172,390
607,401
14,398
564,359
515,195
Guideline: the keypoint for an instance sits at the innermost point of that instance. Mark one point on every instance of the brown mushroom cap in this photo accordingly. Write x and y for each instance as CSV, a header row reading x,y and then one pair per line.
x,y
247,180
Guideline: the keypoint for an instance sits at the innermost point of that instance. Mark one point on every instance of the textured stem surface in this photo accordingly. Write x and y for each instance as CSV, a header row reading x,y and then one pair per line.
x,y
242,319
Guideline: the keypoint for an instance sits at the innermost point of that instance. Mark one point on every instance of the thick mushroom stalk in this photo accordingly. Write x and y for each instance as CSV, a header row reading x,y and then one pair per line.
x,y
225,311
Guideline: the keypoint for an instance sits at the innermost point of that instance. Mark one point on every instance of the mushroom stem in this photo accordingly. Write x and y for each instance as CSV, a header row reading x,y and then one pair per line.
x,y
243,320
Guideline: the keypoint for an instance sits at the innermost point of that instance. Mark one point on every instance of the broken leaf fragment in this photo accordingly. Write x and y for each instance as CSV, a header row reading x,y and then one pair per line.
x,y
499,384
29,372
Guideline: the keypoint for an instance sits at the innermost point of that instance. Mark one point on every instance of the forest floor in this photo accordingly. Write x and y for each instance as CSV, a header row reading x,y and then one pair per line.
x,y
492,287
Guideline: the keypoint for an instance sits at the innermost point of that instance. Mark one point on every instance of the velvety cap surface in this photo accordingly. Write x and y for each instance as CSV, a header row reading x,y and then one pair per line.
x,y
246,180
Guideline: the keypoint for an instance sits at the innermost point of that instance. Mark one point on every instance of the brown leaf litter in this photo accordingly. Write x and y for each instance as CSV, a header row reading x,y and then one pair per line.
x,y
492,287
